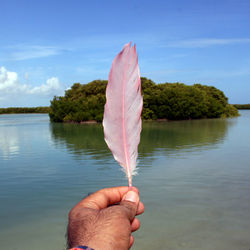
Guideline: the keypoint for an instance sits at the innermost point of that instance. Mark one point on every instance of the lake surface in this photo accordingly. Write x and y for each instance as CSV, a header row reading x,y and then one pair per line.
x,y
193,176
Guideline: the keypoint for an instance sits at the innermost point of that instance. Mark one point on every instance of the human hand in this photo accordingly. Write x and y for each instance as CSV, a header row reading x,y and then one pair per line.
x,y
105,219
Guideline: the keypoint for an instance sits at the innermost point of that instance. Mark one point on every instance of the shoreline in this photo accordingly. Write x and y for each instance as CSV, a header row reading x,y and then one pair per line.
x,y
97,122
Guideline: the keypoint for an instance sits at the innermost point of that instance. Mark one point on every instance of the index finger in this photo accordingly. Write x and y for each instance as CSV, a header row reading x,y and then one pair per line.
x,y
105,197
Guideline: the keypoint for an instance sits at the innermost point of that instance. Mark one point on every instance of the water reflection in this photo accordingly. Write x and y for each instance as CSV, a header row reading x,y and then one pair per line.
x,y
190,135
9,142
169,137
18,130
80,138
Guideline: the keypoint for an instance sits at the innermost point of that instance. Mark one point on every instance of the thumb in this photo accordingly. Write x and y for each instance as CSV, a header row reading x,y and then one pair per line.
x,y
130,202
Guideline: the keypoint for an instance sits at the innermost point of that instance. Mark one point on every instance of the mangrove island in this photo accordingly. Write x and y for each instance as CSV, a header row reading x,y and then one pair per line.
x,y
165,101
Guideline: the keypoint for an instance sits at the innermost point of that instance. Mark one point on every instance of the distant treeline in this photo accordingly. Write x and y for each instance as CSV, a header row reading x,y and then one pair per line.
x,y
23,110
172,101
242,106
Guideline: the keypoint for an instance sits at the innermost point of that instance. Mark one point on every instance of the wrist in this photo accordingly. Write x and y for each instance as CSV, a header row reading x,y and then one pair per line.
x,y
81,247
95,244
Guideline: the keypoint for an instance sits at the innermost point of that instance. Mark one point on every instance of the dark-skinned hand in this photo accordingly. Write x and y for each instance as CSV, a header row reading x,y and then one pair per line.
x,y
106,219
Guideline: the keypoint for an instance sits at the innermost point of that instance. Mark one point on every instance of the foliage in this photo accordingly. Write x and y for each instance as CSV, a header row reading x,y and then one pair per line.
x,y
242,106
230,111
23,110
80,103
173,101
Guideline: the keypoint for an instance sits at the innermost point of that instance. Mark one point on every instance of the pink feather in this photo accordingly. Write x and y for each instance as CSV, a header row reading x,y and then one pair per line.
x,y
122,113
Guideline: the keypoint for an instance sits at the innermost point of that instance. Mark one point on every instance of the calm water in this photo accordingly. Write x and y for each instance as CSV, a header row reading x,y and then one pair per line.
x,y
194,178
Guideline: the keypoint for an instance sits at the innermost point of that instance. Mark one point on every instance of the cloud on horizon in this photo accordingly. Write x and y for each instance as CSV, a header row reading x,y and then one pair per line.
x,y
10,87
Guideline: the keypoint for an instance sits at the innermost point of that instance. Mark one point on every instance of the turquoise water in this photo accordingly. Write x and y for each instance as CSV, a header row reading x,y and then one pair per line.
x,y
193,176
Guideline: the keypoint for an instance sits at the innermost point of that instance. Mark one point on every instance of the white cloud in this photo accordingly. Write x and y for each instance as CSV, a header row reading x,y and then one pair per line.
x,y
34,52
7,79
205,42
52,86
24,52
10,86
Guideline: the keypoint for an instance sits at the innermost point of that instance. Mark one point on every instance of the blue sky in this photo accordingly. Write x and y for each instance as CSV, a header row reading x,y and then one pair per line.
x,y
46,46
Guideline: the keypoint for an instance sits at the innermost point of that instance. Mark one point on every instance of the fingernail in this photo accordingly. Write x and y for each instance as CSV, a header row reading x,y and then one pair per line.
x,y
131,196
